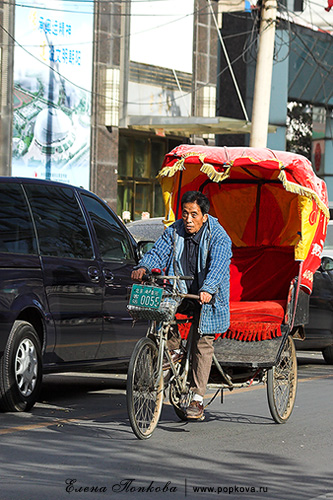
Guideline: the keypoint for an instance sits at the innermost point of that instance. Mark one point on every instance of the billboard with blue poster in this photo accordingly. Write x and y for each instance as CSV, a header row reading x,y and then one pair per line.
x,y
52,90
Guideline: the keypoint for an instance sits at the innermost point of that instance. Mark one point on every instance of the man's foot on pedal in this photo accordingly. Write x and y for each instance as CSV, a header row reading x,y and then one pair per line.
x,y
195,411
176,356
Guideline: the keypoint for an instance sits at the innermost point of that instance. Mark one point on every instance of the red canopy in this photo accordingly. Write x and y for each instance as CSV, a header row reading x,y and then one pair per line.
x,y
261,197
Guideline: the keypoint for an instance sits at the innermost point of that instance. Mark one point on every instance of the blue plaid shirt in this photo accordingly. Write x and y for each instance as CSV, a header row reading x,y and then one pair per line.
x,y
213,269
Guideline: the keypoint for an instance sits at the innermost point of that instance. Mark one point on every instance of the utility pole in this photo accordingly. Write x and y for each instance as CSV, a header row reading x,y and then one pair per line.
x,y
263,79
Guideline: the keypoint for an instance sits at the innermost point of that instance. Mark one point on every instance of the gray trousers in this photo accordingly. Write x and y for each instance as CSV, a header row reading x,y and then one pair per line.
x,y
202,354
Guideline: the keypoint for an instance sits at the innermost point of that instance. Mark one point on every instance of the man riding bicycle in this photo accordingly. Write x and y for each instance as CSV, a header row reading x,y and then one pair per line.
x,y
195,245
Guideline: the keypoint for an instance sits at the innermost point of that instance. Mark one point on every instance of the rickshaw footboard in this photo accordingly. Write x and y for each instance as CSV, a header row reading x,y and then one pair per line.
x,y
262,354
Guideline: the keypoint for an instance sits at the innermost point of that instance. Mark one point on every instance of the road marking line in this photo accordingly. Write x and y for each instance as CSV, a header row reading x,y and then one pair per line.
x,y
57,422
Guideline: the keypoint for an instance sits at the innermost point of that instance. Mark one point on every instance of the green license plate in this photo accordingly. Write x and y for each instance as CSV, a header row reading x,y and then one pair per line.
x,y
146,296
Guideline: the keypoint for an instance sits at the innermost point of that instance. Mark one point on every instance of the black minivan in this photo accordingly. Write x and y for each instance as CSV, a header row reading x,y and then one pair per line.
x,y
65,265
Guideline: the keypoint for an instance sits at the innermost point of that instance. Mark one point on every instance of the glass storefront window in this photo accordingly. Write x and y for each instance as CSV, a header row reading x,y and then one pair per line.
x,y
142,202
125,198
140,159
157,157
159,204
125,162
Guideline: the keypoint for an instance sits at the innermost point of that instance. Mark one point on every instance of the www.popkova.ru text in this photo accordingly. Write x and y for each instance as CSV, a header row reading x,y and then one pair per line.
x,y
135,486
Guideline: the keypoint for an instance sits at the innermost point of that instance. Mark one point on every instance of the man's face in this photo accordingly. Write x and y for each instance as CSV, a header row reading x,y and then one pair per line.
x,y
192,217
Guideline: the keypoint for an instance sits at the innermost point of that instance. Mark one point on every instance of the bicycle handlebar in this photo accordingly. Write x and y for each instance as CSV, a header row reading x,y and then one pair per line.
x,y
189,296
152,277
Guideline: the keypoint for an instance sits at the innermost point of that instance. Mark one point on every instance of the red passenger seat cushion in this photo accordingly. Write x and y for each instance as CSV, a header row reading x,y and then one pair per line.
x,y
250,321
268,311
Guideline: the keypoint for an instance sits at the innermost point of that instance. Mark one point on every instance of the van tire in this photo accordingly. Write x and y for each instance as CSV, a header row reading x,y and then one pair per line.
x,y
328,354
20,369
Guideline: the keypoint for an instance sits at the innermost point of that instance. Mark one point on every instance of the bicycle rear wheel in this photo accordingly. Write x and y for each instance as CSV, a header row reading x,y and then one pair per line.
x,y
179,401
144,391
282,384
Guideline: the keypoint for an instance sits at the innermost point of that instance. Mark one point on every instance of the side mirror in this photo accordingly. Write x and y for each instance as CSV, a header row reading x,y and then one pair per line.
x,y
327,263
144,247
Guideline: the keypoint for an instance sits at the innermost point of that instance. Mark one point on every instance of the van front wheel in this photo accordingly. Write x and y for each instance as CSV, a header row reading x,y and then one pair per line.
x,y
20,369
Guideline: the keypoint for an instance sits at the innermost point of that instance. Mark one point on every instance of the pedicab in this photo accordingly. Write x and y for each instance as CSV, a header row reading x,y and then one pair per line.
x,y
275,210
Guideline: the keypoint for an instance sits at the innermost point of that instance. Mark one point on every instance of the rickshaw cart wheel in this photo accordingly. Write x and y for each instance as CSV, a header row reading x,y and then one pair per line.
x,y
282,383
144,391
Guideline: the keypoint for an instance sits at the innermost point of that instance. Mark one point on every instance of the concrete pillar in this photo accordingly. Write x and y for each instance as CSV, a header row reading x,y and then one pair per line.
x,y
105,136
279,94
262,86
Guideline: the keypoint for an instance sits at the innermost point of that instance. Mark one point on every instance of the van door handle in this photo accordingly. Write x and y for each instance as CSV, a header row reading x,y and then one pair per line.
x,y
108,275
94,274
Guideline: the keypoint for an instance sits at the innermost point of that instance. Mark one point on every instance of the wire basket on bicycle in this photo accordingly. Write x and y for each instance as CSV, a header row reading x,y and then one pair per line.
x,y
165,312
151,302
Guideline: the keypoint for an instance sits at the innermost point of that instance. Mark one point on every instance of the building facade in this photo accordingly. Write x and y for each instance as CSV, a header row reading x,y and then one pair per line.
x,y
72,100
76,108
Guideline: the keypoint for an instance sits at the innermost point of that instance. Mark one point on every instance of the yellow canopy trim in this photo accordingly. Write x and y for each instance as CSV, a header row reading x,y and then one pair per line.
x,y
179,165
303,191
206,168
214,176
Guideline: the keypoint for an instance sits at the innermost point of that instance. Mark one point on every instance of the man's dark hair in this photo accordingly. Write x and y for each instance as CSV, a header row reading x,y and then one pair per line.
x,y
196,197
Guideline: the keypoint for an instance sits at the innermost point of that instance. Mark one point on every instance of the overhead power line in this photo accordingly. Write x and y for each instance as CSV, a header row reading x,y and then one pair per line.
x,y
100,3
246,50
228,62
118,101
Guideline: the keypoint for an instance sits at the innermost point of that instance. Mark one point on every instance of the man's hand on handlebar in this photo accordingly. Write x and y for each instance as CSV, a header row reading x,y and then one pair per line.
x,y
205,297
138,274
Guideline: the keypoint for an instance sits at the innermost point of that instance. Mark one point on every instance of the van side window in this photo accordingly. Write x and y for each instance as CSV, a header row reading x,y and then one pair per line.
x,y
61,228
111,238
16,230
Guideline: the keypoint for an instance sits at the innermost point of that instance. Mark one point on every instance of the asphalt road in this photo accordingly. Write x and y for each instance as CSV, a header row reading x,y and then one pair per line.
x,y
76,443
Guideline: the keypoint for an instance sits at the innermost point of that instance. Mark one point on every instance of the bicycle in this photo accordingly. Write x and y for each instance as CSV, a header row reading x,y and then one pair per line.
x,y
146,380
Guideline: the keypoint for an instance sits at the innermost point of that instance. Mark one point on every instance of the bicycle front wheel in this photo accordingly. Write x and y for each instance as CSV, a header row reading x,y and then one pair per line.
x,y
144,391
